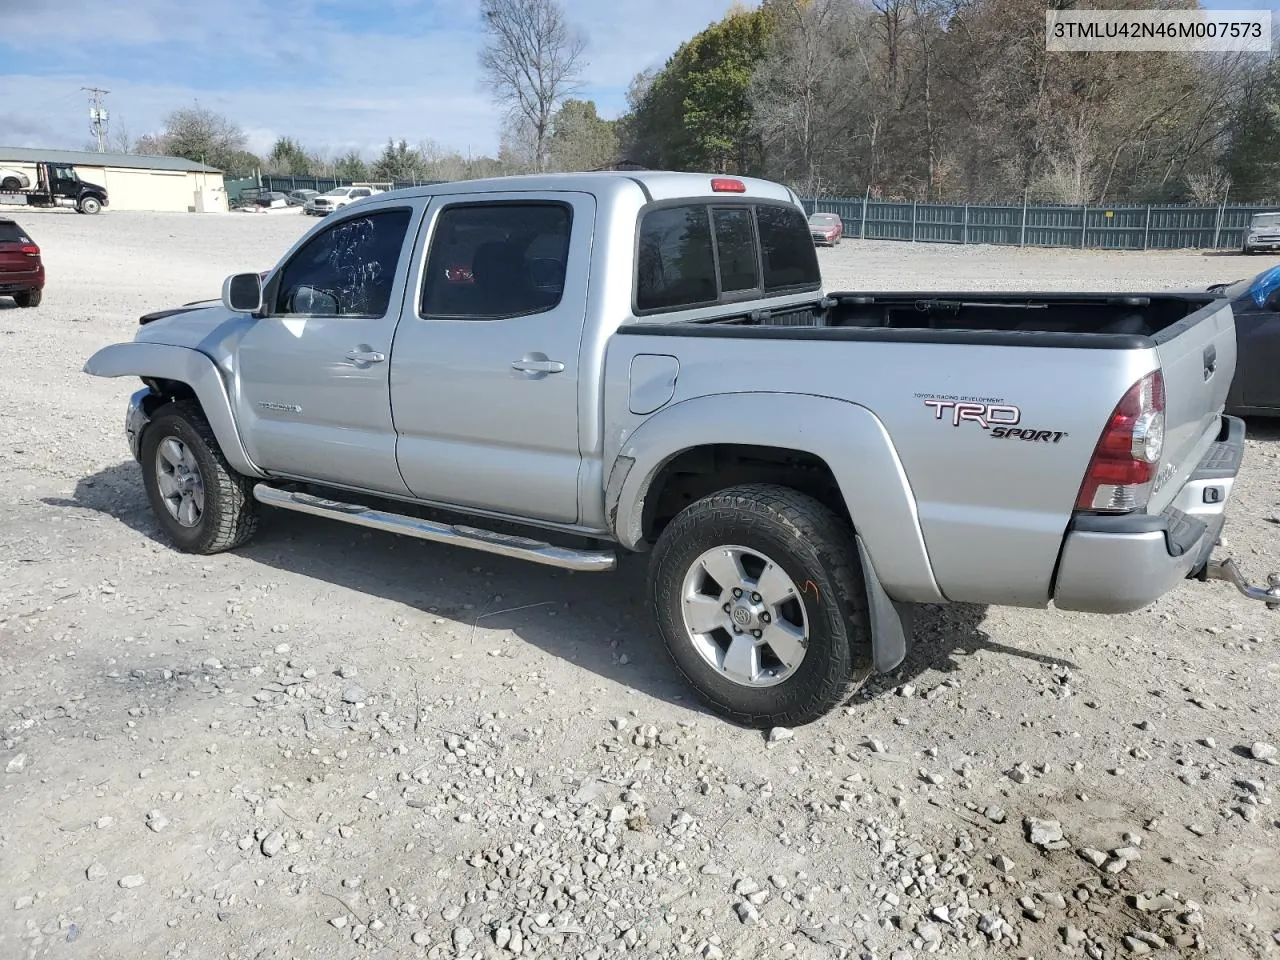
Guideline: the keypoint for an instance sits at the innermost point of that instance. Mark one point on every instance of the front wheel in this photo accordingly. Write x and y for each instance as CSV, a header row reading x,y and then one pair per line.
x,y
10,185
90,205
202,505
759,596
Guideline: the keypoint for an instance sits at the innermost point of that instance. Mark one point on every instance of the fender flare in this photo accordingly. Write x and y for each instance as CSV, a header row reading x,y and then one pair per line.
x,y
848,437
196,370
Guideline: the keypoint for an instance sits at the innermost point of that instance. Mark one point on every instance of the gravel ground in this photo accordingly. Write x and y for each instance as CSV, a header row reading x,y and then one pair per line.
x,y
334,743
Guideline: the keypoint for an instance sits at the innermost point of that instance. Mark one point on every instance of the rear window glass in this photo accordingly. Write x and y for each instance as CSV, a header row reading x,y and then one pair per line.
x,y
787,249
736,248
698,254
676,267
12,233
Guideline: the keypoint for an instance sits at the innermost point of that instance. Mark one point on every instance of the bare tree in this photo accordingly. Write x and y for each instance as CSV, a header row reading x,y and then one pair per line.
x,y
1209,186
532,60
793,89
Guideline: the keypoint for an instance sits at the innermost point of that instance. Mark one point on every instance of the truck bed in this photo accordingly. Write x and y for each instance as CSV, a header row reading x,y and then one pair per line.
x,y
992,511
1121,320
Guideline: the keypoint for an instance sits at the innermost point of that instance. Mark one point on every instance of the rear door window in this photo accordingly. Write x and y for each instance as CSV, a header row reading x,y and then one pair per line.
x,y
497,260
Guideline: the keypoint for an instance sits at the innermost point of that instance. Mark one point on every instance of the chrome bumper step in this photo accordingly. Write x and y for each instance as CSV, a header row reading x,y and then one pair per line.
x,y
487,541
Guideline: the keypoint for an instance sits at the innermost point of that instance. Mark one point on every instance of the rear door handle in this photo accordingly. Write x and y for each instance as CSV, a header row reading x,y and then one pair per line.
x,y
365,356
1210,360
543,365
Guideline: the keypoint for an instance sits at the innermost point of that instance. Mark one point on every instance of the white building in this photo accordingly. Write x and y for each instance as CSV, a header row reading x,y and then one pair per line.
x,y
133,182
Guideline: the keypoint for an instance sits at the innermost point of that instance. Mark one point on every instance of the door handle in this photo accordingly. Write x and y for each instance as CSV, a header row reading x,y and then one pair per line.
x,y
1210,360
538,366
365,356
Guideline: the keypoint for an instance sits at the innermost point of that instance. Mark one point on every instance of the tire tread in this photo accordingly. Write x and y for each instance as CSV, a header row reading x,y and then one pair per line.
x,y
764,506
237,516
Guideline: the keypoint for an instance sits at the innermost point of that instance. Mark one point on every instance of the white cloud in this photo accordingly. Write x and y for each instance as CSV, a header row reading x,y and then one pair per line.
x,y
285,67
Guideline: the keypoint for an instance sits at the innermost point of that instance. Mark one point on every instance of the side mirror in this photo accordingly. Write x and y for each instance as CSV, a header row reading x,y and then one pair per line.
x,y
242,293
312,302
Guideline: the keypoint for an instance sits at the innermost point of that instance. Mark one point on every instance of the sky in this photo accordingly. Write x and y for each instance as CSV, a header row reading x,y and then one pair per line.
x,y
335,74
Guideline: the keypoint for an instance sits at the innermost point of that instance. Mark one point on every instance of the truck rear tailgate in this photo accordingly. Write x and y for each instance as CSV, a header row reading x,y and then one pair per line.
x,y
1197,360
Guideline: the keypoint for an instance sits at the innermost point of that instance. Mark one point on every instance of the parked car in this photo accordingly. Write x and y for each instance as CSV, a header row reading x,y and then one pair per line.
x,y
13,180
802,467
1263,233
1255,304
21,267
336,199
826,228
299,198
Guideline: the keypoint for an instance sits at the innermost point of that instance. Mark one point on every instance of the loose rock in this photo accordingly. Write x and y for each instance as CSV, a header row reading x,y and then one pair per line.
x,y
272,843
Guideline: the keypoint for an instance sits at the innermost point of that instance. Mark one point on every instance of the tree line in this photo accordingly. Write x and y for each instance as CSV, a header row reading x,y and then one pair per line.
x,y
927,100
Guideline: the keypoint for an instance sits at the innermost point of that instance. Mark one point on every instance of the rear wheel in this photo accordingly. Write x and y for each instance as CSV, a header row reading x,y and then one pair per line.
x,y
759,597
90,205
29,298
202,505
10,184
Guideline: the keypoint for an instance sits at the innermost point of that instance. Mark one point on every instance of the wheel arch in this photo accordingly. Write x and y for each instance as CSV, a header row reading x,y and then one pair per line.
x,y
179,373
814,436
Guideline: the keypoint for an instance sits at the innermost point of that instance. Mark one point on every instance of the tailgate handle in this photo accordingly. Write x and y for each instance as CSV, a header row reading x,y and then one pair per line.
x,y
1210,360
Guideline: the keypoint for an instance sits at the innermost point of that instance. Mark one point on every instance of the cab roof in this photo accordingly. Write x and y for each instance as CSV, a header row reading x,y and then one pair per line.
x,y
656,185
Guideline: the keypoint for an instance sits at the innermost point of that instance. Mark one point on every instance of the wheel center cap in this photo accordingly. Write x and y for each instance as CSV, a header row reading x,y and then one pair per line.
x,y
742,616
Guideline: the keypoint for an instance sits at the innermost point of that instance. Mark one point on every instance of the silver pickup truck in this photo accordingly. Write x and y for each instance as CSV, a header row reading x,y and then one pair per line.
x,y
561,367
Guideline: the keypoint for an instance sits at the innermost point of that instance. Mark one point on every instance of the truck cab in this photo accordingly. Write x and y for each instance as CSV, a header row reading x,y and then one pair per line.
x,y
59,185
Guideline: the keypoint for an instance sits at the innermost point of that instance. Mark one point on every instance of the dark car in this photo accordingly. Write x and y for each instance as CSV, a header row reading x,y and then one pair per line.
x,y
1255,390
21,269
299,198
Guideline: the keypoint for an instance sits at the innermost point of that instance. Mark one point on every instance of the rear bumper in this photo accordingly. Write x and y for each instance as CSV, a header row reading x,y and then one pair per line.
x,y
1121,563
16,282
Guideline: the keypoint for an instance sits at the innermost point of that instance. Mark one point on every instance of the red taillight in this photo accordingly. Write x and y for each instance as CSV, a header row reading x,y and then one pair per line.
x,y
728,185
1128,452
30,249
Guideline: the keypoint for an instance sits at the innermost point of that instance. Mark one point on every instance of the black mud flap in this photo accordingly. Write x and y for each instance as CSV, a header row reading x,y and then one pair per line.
x,y
890,620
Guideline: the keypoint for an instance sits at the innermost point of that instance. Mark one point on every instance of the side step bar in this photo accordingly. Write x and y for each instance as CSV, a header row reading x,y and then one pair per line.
x,y
505,545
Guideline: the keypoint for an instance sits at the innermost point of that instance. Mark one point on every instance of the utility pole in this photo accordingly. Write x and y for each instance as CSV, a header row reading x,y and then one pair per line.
x,y
97,115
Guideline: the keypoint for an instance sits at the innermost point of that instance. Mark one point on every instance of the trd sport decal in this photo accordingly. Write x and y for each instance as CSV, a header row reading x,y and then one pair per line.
x,y
999,419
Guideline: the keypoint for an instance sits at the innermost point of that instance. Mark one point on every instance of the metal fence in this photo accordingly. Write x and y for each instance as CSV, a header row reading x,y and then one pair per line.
x,y
1122,227
1126,227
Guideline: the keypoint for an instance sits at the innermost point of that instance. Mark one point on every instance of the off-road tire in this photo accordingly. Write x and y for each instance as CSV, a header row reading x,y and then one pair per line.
x,y
230,514
816,549
28,298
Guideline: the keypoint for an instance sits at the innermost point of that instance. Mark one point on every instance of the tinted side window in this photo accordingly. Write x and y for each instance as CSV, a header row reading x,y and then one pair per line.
x,y
347,270
736,249
495,260
786,245
676,267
